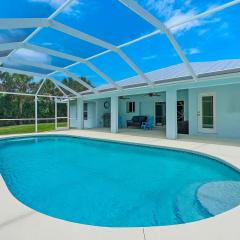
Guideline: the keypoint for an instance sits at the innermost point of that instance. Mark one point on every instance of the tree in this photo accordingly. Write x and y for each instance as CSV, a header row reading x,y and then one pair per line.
x,y
22,84
20,106
76,86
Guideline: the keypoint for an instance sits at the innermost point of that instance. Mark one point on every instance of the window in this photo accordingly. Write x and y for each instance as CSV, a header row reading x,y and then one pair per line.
x,y
207,112
85,111
130,107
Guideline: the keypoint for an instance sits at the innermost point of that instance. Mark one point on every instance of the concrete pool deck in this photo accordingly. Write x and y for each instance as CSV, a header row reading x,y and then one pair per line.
x,y
20,222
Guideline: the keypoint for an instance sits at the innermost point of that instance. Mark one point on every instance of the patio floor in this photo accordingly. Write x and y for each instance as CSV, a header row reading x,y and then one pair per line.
x,y
151,135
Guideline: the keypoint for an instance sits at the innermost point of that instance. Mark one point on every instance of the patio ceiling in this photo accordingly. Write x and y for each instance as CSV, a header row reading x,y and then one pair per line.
x,y
113,40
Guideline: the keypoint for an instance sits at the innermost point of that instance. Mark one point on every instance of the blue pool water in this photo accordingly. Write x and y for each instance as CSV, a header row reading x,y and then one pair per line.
x,y
108,184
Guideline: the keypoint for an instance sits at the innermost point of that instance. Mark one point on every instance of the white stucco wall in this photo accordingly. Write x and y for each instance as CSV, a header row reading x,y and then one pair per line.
x,y
227,110
95,112
73,114
91,122
100,110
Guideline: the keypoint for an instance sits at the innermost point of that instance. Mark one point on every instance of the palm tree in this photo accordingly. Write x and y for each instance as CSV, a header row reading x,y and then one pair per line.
x,y
73,84
12,106
22,84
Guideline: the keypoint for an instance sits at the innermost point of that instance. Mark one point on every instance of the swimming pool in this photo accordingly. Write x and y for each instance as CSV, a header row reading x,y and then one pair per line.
x,y
108,184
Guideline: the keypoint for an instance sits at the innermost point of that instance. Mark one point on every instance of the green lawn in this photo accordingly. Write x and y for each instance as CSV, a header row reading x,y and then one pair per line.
x,y
29,128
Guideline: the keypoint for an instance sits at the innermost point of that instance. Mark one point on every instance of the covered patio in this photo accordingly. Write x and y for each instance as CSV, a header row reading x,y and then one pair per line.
x,y
110,67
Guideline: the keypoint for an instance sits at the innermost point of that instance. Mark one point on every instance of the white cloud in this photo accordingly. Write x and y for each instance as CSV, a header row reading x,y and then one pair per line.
x,y
224,26
179,17
71,9
223,30
12,35
161,7
29,55
202,31
167,10
52,3
146,58
173,14
192,51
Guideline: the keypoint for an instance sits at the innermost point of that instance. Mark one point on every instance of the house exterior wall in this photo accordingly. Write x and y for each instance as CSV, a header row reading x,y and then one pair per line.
x,y
227,110
91,121
100,110
95,112
73,114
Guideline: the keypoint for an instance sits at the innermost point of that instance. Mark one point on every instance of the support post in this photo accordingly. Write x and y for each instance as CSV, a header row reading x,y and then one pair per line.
x,y
80,119
68,113
171,114
114,114
36,113
55,100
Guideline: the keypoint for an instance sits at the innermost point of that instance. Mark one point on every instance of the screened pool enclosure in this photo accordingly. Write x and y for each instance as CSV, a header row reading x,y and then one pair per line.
x,y
114,45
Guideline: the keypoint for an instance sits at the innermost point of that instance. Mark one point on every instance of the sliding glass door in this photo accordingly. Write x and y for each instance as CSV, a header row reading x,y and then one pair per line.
x,y
160,113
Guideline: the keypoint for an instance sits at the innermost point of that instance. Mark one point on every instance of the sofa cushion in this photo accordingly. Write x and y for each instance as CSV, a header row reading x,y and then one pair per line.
x,y
139,119
142,119
135,118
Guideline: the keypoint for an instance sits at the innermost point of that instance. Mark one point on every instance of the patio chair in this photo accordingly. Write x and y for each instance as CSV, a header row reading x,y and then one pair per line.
x,y
148,124
120,122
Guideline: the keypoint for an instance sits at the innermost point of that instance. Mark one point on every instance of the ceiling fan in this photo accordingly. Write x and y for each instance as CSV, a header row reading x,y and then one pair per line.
x,y
154,94
124,97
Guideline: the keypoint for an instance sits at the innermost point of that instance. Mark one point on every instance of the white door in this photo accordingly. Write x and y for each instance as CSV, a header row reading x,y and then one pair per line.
x,y
207,112
90,115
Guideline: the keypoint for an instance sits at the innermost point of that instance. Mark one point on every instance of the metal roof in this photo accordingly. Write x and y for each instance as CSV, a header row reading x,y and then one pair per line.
x,y
178,73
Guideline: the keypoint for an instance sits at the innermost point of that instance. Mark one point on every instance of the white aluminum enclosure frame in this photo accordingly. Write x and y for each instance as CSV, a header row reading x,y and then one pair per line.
x,y
58,85
36,97
41,23
133,6
62,101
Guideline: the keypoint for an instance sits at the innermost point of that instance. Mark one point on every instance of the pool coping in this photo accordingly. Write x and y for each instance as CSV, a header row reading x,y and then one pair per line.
x,y
223,226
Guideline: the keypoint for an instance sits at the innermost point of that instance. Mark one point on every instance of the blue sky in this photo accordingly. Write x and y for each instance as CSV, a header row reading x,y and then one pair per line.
x,y
212,38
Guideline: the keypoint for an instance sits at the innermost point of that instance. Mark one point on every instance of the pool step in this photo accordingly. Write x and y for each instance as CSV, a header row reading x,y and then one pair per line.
x,y
218,197
187,207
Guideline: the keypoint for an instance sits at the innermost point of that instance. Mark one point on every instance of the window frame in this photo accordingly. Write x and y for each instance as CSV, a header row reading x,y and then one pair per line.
x,y
131,107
